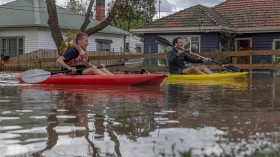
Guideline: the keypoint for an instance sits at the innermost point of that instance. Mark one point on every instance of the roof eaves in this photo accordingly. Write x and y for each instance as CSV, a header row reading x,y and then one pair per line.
x,y
184,29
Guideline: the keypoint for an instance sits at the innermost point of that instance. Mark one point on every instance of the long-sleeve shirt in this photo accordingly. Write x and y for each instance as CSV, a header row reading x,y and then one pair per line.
x,y
177,63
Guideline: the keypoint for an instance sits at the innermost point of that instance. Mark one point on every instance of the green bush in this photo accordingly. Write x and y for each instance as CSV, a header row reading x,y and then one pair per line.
x,y
264,62
276,61
163,61
222,59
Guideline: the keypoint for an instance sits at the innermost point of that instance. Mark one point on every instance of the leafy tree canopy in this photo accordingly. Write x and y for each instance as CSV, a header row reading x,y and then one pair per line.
x,y
134,13
77,6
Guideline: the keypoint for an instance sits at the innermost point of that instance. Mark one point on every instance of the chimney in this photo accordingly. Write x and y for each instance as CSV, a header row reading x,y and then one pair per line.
x,y
100,10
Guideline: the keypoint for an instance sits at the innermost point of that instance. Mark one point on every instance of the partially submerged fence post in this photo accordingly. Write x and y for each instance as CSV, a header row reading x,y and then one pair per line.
x,y
1,65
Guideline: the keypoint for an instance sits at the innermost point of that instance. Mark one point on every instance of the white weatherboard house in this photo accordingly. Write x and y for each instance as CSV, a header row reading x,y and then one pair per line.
x,y
24,29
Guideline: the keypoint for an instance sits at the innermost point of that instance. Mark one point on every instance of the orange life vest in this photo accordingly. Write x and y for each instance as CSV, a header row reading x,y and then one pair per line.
x,y
82,58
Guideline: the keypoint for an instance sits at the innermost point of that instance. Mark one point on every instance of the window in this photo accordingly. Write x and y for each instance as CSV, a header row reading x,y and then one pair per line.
x,y
276,46
12,46
191,43
103,45
138,48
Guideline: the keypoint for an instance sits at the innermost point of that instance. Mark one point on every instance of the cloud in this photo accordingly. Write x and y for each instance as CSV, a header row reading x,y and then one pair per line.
x,y
182,4
168,7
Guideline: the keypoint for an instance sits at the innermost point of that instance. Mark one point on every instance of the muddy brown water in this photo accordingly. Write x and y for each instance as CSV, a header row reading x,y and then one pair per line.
x,y
234,117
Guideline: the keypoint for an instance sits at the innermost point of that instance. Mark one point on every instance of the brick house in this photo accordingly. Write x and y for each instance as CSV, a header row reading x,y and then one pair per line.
x,y
233,25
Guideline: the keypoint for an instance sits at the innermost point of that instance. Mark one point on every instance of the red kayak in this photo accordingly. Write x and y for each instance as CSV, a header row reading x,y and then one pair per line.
x,y
119,79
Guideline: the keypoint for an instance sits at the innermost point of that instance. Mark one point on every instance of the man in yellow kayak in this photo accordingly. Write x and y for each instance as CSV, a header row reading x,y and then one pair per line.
x,y
177,58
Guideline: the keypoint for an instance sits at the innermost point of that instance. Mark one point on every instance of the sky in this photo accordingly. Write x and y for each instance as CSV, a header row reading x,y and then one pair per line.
x,y
166,7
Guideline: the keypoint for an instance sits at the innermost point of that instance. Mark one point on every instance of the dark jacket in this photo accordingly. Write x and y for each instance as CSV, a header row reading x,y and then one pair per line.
x,y
177,63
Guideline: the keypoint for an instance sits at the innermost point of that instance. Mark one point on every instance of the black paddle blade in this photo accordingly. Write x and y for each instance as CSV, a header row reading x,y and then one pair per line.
x,y
162,41
232,68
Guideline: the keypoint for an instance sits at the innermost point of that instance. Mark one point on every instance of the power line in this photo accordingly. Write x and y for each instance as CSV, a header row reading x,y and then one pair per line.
x,y
37,11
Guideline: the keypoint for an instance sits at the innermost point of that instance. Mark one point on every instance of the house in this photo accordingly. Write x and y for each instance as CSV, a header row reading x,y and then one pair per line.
x,y
24,28
233,25
134,44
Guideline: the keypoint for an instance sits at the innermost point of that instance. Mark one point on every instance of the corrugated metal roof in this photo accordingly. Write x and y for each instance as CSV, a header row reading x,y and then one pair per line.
x,y
20,13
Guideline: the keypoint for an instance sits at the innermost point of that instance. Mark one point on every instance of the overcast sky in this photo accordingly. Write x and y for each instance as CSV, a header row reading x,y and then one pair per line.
x,y
166,6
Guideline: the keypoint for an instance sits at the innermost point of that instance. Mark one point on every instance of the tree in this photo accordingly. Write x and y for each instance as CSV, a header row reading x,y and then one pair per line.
x,y
134,13
56,32
76,7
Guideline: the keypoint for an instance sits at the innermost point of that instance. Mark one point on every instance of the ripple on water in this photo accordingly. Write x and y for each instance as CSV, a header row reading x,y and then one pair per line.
x,y
68,129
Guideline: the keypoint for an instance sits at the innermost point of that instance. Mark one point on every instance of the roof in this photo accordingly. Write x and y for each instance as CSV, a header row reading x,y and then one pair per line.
x,y
22,13
251,13
234,15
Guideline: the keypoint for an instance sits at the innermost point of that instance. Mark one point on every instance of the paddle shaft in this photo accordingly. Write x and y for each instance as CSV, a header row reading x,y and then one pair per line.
x,y
230,68
66,71
202,57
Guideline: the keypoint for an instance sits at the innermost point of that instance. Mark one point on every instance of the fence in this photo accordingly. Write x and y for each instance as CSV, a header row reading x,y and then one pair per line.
x,y
45,59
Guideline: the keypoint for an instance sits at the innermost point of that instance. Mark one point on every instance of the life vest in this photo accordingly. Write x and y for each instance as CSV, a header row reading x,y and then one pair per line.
x,y
82,58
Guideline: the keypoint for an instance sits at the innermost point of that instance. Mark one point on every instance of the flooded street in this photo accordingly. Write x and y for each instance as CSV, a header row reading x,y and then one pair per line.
x,y
227,118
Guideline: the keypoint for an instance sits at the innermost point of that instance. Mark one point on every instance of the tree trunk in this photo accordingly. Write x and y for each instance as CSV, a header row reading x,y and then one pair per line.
x,y
87,16
56,32
53,23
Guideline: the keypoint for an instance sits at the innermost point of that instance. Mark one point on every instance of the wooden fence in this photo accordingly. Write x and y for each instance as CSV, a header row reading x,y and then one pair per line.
x,y
45,59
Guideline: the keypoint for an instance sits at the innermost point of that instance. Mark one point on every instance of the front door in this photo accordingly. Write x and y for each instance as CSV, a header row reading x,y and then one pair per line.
x,y
243,45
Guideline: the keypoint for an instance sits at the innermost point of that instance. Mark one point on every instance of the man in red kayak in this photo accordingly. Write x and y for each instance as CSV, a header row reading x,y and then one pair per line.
x,y
75,58
177,58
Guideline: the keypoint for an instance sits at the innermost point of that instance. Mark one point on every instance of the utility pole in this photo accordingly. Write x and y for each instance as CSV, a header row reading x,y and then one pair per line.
x,y
159,8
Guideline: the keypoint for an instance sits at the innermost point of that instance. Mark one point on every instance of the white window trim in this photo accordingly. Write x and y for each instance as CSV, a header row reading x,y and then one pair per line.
x,y
183,36
7,47
274,48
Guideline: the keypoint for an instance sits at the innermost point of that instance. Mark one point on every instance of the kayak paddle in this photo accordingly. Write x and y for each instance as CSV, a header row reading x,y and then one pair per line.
x,y
165,42
39,75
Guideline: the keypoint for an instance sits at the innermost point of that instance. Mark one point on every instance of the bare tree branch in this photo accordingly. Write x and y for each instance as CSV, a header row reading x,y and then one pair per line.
x,y
107,21
53,23
56,32
87,16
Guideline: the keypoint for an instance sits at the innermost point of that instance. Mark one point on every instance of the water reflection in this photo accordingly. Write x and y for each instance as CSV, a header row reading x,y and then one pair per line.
x,y
88,117
231,119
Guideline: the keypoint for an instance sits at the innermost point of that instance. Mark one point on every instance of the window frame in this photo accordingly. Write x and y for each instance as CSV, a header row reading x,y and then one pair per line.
x,y
185,38
274,48
103,42
6,48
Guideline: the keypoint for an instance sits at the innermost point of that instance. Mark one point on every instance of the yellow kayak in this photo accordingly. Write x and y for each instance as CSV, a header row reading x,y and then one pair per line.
x,y
215,76
216,79
235,83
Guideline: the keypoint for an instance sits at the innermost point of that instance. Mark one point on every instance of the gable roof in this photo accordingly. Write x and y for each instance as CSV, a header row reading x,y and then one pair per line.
x,y
22,13
233,15
251,13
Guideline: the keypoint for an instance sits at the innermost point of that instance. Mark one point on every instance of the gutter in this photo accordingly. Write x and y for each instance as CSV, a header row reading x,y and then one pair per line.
x,y
207,29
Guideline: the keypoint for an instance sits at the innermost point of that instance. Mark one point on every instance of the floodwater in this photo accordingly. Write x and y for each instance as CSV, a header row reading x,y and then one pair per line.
x,y
238,117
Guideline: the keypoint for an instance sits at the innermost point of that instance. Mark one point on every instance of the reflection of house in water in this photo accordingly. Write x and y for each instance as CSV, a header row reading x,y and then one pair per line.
x,y
243,113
